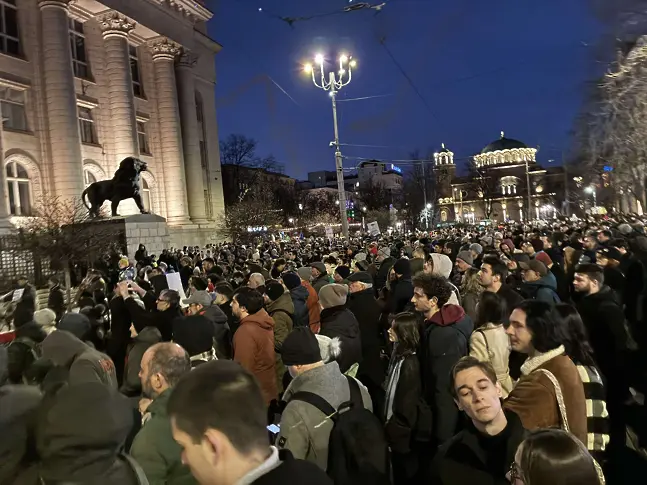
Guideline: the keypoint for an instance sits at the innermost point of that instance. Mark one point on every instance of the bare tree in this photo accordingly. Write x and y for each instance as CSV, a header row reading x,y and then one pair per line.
x,y
613,129
239,152
419,187
375,196
236,220
484,185
63,232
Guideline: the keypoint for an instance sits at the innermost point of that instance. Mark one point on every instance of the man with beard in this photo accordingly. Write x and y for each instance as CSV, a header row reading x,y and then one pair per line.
x,y
154,448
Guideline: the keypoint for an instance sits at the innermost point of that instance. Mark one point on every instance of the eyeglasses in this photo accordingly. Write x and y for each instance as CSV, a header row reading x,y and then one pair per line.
x,y
514,473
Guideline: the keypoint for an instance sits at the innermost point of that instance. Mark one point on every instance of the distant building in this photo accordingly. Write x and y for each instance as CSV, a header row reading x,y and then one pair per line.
x,y
497,188
237,179
374,172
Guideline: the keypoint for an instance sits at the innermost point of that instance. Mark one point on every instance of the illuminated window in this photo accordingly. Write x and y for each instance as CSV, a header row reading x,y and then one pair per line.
x,y
142,138
80,64
146,195
13,109
86,126
138,89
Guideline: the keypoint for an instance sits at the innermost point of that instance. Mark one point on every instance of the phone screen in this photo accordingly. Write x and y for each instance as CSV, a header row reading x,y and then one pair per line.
x,y
273,428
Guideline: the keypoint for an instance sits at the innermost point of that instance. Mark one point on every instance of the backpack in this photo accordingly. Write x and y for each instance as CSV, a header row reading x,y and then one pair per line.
x,y
357,448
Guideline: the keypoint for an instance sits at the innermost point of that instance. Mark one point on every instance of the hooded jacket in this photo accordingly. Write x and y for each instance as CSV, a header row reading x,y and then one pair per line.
x,y
23,351
442,266
254,350
75,445
444,341
544,289
314,310
85,364
305,430
301,317
155,449
222,332
340,322
281,310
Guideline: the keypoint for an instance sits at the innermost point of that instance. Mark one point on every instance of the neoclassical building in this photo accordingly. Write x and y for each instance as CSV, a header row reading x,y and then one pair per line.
x,y
84,84
505,184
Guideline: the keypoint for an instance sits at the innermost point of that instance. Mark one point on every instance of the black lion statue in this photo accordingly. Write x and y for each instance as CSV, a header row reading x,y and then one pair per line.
x,y
124,185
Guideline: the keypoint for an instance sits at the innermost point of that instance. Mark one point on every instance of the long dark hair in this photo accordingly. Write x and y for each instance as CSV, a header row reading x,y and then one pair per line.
x,y
556,457
577,346
543,321
490,309
407,328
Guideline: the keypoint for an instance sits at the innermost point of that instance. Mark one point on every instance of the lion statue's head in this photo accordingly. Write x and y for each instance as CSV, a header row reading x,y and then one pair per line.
x,y
133,165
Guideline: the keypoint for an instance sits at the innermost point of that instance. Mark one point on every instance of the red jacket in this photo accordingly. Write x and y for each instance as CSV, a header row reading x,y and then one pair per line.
x,y
314,310
254,350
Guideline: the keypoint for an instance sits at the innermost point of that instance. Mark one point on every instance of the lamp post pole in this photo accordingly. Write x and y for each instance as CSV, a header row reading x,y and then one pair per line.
x,y
335,81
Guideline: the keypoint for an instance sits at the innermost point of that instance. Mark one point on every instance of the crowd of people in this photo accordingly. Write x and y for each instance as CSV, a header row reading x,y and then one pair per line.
x,y
466,355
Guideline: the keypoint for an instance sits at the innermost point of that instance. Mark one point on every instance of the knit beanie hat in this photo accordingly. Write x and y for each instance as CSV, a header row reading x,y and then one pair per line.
x,y
333,295
319,266
343,271
274,290
77,324
362,265
304,273
477,248
360,257
291,280
403,267
300,347
465,256
45,317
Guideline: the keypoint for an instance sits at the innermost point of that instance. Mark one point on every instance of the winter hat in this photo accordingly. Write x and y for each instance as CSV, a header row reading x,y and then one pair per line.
x,y
274,290
319,266
362,277
300,347
361,265
333,295
544,258
329,348
124,262
45,318
384,251
360,257
442,265
477,248
465,256
611,253
77,324
343,271
403,267
625,229
304,273
291,280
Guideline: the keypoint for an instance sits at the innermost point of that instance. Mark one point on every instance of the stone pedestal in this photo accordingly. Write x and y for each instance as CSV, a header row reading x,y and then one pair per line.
x,y
147,229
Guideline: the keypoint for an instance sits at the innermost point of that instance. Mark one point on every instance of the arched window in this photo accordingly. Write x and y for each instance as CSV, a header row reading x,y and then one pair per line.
x,y
88,178
146,195
18,190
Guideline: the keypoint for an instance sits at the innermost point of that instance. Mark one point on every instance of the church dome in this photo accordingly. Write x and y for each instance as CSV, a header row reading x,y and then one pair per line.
x,y
505,151
503,143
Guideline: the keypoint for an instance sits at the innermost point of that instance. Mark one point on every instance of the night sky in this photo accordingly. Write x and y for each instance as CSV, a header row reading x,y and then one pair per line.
x,y
481,66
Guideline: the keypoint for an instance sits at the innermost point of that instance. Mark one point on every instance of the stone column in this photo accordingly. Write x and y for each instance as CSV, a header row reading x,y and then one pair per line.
x,y
115,28
62,117
190,138
164,53
4,207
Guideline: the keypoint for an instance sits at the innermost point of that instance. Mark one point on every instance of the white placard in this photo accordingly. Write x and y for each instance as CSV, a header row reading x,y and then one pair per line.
x,y
329,233
373,228
175,283
17,294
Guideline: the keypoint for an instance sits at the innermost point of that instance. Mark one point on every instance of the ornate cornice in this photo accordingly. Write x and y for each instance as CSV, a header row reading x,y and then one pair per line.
x,y
187,59
192,9
164,49
115,24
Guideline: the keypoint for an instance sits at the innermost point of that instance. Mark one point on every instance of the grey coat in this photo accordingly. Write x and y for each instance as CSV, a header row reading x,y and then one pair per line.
x,y
304,429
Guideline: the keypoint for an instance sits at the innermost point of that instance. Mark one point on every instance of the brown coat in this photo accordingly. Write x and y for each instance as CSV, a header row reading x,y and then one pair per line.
x,y
314,310
254,350
534,398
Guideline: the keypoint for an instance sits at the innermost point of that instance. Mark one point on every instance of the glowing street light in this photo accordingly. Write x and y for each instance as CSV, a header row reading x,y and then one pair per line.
x,y
332,82
290,220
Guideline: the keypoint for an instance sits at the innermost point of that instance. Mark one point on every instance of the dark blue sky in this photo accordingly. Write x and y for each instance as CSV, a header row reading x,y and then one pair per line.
x,y
482,66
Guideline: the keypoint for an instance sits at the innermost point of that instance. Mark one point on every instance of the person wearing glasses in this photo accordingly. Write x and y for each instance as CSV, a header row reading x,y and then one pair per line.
x,y
484,450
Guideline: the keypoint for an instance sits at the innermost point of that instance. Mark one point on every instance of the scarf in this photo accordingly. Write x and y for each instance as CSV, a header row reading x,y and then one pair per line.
x,y
393,378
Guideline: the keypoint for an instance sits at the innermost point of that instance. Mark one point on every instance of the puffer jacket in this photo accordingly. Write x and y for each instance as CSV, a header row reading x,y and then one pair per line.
x,y
281,310
301,317
340,322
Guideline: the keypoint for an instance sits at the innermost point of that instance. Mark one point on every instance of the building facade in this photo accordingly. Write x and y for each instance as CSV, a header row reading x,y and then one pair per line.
x,y
85,84
505,184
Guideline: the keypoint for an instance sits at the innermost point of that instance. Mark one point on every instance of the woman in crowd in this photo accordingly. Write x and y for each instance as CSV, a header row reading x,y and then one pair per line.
x,y
471,290
489,342
555,457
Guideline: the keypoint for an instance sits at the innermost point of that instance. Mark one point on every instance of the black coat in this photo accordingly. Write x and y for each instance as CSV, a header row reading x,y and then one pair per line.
x,y
383,274
441,347
56,301
367,312
340,322
400,296
467,458
294,472
150,316
195,333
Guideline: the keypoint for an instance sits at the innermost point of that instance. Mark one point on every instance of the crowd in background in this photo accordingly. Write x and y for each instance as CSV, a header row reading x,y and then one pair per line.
x,y
466,355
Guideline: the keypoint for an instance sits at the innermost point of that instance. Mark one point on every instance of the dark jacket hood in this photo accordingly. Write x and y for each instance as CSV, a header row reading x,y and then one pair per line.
x,y
61,347
548,280
448,315
83,431
299,293
32,331
339,321
215,314
149,335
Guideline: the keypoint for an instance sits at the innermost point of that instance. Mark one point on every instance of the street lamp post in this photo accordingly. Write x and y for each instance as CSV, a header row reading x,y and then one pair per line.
x,y
335,81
